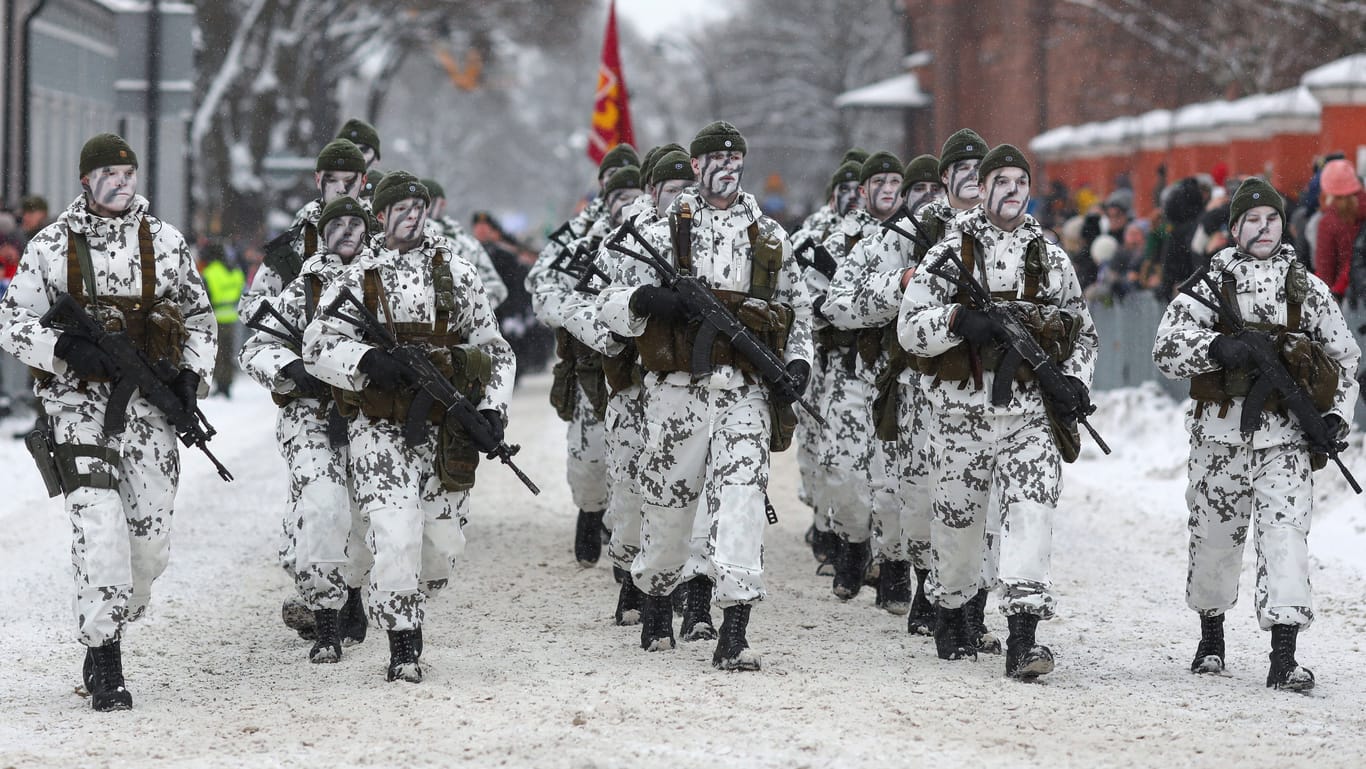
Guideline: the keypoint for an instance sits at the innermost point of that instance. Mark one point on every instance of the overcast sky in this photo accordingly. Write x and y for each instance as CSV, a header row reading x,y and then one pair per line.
x,y
656,18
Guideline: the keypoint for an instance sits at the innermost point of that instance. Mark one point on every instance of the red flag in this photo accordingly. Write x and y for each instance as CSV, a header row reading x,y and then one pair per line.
x,y
611,107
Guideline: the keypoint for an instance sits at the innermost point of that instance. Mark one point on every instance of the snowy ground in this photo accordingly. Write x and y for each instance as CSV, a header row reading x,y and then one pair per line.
x,y
524,667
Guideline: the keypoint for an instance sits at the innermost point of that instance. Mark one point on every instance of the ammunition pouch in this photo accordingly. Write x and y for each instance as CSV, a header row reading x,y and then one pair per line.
x,y
1056,330
784,425
1065,434
579,367
157,330
887,386
667,346
622,370
1305,360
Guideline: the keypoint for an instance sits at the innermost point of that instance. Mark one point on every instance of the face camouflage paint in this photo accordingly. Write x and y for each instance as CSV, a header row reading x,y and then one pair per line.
x,y
848,197
344,236
337,184
110,189
882,192
962,185
718,175
1259,232
1007,197
403,223
666,192
618,200
922,193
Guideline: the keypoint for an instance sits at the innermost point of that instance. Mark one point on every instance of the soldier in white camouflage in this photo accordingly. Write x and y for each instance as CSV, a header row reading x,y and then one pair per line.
x,y
465,244
413,489
132,272
981,453
579,392
312,433
708,436
843,197
338,173
855,467
1261,479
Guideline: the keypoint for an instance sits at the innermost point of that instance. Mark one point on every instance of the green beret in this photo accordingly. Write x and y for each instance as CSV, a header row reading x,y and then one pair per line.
x,y
854,155
618,156
879,163
106,150
360,132
1253,192
847,172
716,136
343,206
396,186
922,168
1001,156
434,188
964,144
624,178
372,180
341,155
32,203
673,164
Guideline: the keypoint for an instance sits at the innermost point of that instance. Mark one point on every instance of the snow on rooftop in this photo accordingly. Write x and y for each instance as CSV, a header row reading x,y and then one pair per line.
x,y
1347,71
1157,122
895,92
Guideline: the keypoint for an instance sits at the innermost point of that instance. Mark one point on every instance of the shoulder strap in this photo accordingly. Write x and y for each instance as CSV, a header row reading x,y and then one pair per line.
x,y
310,240
78,264
313,289
680,227
147,257
443,284
1034,270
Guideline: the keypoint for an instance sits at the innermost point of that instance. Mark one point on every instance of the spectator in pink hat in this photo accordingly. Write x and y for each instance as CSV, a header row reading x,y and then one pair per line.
x,y
1343,205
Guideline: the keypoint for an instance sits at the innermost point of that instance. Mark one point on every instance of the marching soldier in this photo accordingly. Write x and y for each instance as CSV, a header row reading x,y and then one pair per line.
x,y
311,435
1264,477
708,437
131,272
465,245
985,453
413,489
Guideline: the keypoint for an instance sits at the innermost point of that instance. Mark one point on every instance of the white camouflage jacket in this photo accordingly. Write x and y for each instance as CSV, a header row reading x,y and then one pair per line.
x,y
263,356
471,250
116,258
333,348
1181,349
928,304
857,227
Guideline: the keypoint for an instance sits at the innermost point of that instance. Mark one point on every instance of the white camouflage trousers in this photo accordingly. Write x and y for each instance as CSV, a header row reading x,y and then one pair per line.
x,y
120,536
847,455
587,464
1006,466
706,456
416,527
1229,488
807,442
908,471
319,522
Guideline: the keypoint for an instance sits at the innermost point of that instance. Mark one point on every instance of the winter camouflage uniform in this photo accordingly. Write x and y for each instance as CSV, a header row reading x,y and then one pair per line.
x,y
1263,479
707,438
981,452
809,437
121,513
415,524
471,250
322,510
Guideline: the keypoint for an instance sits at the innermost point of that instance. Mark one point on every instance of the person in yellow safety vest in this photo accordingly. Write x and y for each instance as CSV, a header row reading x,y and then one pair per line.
x,y
224,283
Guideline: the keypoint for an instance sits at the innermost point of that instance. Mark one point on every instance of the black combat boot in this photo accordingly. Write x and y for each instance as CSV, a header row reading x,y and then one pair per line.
x,y
298,617
1025,659
102,674
678,600
587,537
920,620
351,622
328,646
982,637
825,546
1209,654
850,565
629,600
656,624
952,641
697,625
732,650
1285,672
894,587
403,654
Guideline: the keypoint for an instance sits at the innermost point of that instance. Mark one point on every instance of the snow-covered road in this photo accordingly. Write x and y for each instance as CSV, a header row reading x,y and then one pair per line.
x,y
524,667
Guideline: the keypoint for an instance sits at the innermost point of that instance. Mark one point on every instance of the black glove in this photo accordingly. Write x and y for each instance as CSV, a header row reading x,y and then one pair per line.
x,y
975,326
658,302
818,307
1069,396
386,373
84,357
186,388
1230,352
1323,436
305,384
489,440
788,391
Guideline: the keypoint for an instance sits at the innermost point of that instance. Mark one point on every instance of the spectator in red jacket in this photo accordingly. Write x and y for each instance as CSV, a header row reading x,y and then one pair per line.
x,y
1343,206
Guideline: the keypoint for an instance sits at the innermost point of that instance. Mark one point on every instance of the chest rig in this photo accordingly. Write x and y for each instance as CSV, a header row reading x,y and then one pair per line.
x,y
848,346
283,259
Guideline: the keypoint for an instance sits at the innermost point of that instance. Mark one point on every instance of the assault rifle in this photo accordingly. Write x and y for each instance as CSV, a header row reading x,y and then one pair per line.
x,y
135,372
716,319
1271,376
1021,346
293,337
433,388
819,259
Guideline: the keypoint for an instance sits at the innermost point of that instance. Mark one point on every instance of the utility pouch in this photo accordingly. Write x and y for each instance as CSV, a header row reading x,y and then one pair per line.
x,y
1065,434
39,445
784,419
564,386
887,403
456,457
